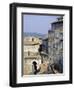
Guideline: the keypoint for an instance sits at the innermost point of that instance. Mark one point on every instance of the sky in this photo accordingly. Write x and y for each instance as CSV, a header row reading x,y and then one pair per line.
x,y
38,23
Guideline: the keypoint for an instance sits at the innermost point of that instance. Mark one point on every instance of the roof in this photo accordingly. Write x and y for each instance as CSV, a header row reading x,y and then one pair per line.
x,y
57,22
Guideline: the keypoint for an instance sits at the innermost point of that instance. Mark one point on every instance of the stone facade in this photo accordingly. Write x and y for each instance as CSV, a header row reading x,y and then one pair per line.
x,y
55,42
31,54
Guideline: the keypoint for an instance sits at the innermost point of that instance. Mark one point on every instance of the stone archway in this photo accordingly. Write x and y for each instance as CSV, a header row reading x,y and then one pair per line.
x,y
34,67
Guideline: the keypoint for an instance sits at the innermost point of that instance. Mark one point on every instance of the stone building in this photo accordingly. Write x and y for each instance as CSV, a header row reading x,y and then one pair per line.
x,y
50,45
35,51
58,39
31,54
55,41
45,44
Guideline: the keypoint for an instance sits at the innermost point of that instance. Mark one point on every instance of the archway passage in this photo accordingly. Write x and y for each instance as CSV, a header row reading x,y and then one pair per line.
x,y
34,68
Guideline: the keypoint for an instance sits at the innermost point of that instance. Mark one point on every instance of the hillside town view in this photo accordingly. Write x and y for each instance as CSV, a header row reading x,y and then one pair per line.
x,y
43,53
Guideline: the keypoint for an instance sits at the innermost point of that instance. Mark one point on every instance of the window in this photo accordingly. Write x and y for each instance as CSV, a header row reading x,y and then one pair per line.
x,y
32,39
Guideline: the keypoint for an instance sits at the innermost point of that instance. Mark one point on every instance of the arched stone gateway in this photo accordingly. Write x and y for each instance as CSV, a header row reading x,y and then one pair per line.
x,y
36,67
30,67
38,61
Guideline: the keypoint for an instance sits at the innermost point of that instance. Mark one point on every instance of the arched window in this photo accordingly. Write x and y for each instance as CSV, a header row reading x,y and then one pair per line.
x,y
32,39
28,53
